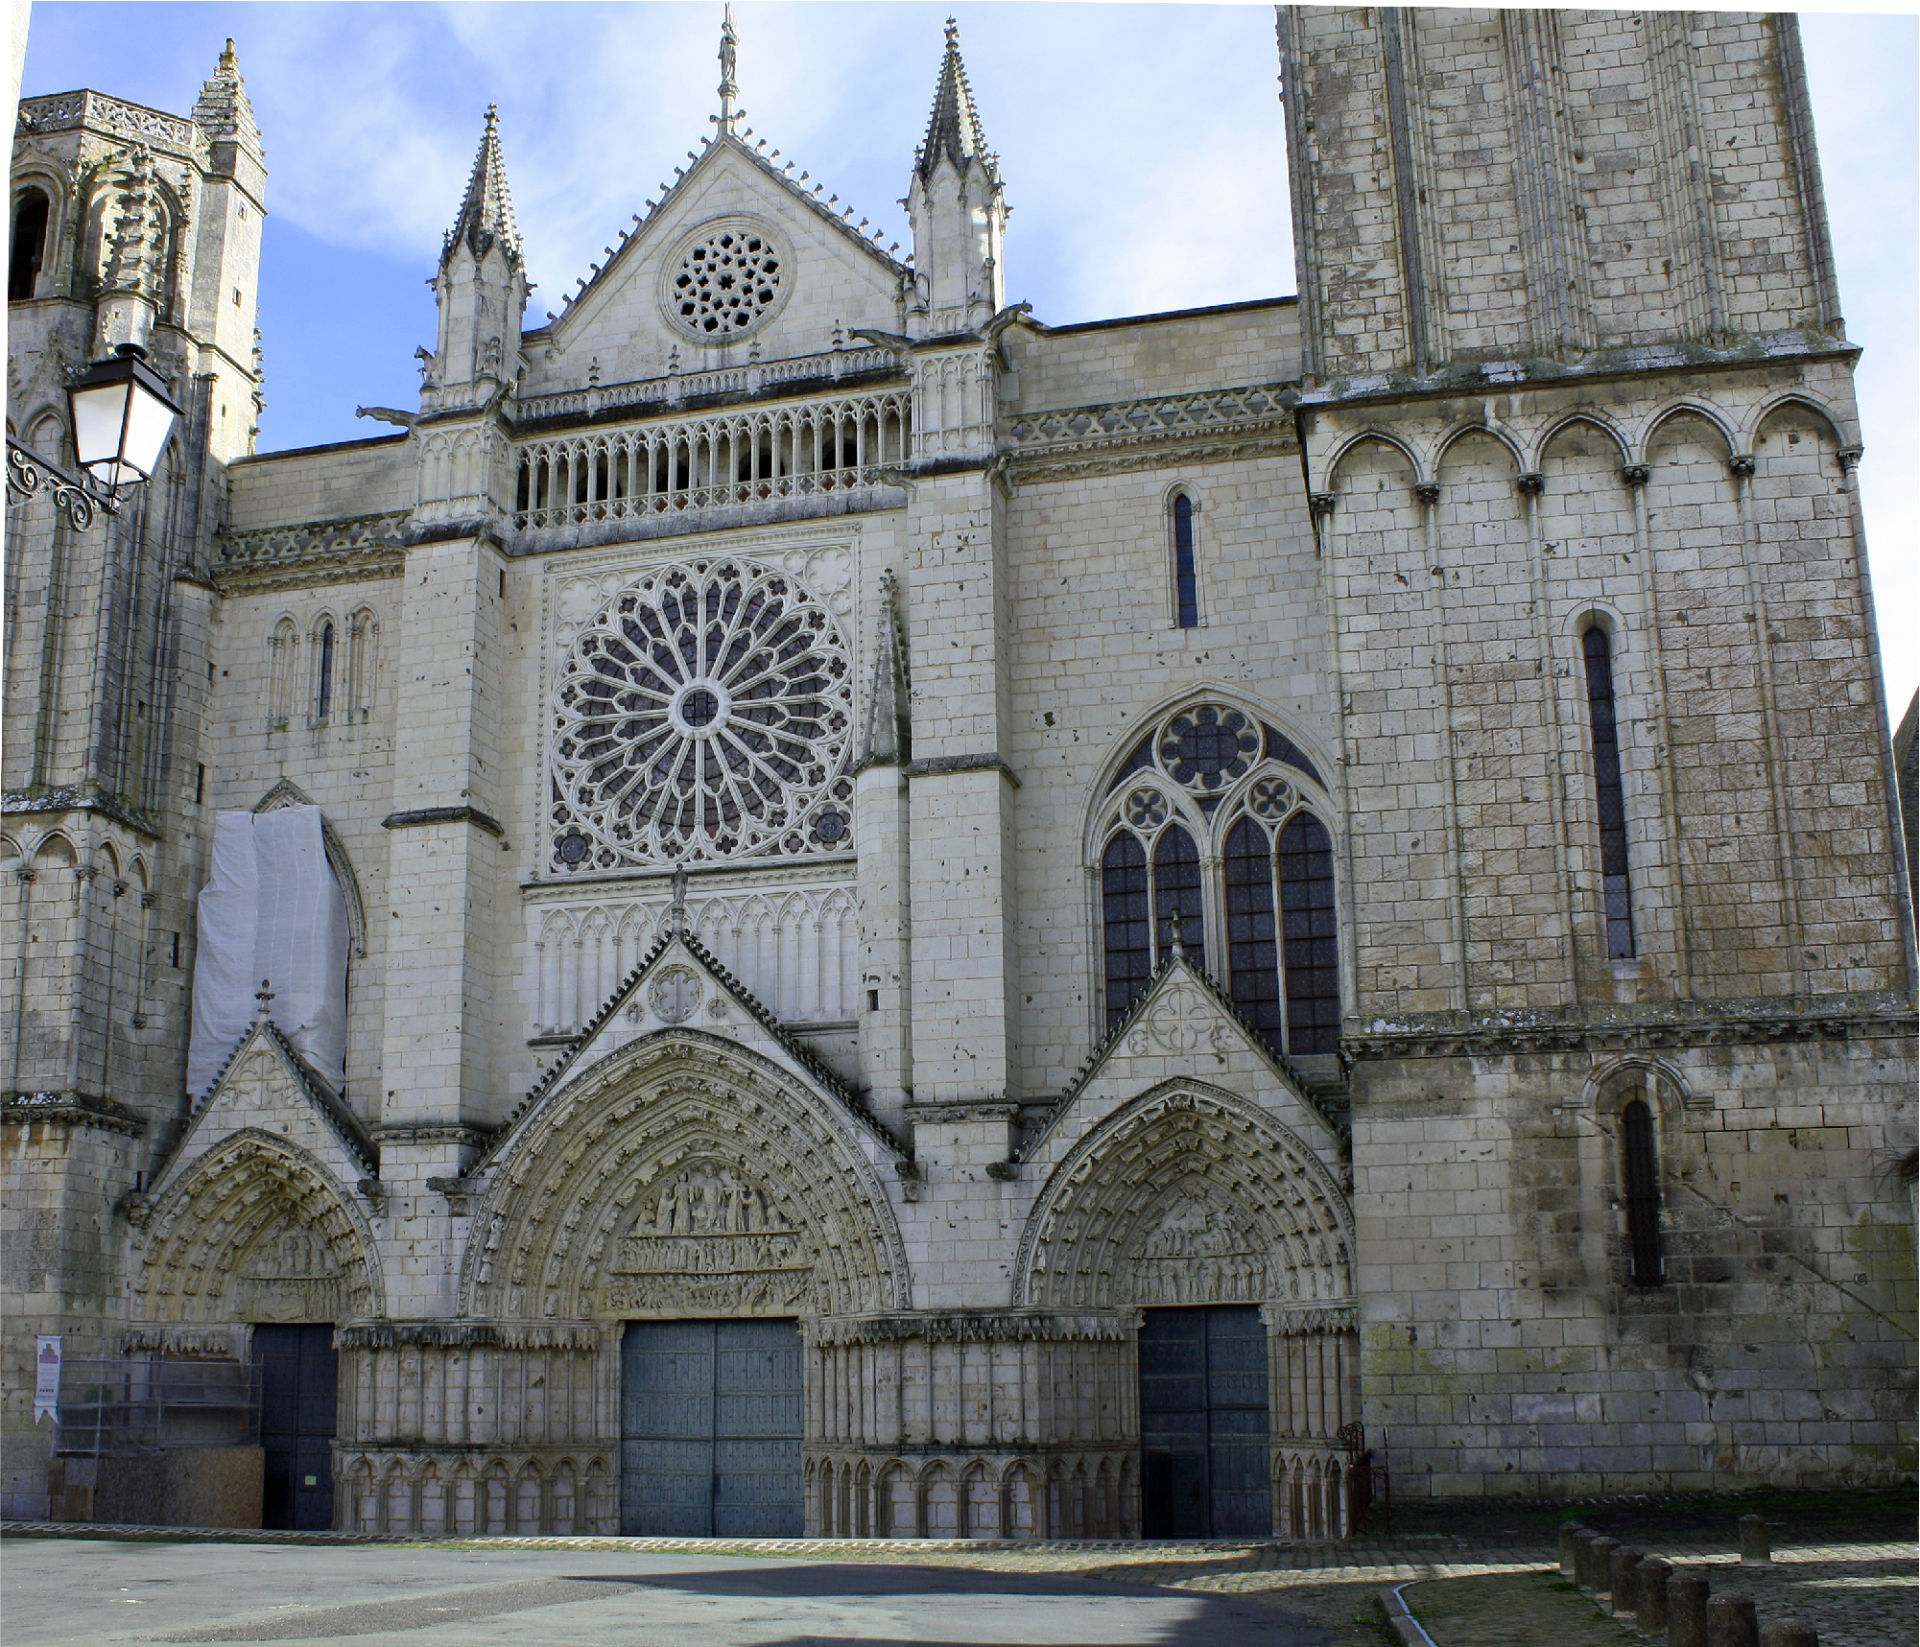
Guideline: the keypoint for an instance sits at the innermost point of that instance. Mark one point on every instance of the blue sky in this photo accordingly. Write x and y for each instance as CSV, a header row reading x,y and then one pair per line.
x,y
1141,146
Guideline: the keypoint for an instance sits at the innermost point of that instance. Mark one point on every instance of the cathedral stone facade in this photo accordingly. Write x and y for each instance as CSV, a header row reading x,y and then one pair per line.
x,y
895,920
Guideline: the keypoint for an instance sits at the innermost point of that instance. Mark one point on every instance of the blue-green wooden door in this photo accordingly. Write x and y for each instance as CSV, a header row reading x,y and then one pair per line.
x,y
1203,1423
710,1429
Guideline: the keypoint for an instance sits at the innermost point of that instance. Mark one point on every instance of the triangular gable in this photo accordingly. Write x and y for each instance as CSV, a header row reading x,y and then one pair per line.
x,y
680,986
266,1087
1183,1025
840,276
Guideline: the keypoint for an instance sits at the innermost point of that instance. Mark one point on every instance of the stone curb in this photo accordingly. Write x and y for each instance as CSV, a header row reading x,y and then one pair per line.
x,y
1409,1629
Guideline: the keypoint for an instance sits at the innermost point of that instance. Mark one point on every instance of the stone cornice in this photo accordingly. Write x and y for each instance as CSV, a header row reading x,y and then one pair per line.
x,y
1703,1023
582,1337
426,816
1507,376
1216,425
355,549
1008,1326
406,1133
71,1109
25,802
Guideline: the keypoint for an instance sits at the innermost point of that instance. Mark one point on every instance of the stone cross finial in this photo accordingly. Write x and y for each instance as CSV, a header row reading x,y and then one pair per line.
x,y
264,995
729,86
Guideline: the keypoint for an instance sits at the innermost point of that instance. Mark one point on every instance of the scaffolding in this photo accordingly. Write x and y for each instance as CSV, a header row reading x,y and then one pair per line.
x,y
146,1404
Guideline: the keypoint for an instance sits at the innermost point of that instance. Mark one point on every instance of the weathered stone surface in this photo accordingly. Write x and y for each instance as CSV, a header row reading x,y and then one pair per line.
x,y
896,1040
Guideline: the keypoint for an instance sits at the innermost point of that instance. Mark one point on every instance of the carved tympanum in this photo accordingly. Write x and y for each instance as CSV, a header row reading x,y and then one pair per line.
x,y
1187,1197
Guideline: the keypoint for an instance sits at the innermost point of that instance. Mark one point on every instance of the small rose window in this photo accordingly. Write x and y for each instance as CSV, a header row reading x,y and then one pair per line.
x,y
726,283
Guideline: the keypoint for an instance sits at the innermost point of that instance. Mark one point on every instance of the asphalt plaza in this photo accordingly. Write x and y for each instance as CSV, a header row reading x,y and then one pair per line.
x,y
78,1591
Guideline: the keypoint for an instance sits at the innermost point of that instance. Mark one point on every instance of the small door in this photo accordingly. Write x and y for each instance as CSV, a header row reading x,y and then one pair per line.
x,y
1203,1423
710,1429
298,1386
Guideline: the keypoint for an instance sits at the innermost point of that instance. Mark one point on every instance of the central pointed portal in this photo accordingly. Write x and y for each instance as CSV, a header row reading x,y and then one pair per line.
x,y
710,1429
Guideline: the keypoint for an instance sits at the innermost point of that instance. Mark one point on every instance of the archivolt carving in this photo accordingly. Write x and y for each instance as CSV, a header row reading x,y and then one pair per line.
x,y
1186,1196
256,1231
685,1175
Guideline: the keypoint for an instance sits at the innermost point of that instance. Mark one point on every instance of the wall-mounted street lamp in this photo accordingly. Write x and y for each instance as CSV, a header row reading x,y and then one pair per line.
x,y
120,414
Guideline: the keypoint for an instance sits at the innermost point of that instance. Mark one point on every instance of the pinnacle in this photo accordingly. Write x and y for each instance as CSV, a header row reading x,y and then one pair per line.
x,y
954,127
486,211
224,109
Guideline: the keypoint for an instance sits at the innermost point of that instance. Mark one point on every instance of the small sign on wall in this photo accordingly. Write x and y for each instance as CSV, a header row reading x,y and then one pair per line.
x,y
46,1387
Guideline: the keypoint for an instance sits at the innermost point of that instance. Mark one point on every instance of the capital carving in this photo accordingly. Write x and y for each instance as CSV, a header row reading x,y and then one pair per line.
x,y
1740,467
1320,504
1636,474
1428,492
1531,484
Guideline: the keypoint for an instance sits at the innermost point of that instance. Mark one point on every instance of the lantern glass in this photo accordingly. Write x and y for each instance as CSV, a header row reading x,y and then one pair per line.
x,y
122,415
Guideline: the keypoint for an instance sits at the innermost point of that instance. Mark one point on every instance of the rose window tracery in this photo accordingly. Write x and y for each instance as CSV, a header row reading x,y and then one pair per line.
x,y
726,282
704,714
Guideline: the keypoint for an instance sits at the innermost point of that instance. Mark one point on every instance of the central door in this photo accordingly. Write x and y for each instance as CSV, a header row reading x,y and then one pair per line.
x,y
1203,1423
710,1429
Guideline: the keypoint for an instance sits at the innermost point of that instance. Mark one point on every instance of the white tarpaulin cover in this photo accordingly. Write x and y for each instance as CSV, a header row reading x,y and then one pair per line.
x,y
271,910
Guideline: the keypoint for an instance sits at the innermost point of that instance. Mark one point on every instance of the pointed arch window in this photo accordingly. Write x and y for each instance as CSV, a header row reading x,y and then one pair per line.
x,y
1186,580
283,653
1212,834
1608,793
1640,1177
323,692
29,245
363,663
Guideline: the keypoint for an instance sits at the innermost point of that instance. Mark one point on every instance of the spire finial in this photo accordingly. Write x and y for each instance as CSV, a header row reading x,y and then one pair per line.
x,y
954,127
264,995
729,86
229,58
486,211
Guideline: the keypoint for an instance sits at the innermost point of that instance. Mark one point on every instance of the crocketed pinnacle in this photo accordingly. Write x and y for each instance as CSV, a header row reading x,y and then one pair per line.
x,y
224,111
486,214
954,128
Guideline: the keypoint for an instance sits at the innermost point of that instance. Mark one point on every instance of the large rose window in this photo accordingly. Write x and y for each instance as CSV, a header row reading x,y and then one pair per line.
x,y
704,714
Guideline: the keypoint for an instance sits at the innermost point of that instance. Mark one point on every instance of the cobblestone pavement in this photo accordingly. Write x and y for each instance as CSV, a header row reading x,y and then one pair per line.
x,y
1855,1595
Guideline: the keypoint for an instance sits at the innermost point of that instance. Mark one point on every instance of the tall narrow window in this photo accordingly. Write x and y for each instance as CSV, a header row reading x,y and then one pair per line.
x,y
1640,1168
29,245
1253,973
1310,937
1606,783
1177,906
1186,586
323,705
1124,900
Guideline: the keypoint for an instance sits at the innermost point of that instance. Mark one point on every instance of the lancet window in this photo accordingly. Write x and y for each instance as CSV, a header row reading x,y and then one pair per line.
x,y
323,690
30,212
1213,839
1186,580
1640,1173
1608,793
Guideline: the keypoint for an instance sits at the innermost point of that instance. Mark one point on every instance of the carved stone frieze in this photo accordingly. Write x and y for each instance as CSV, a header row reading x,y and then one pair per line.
x,y
349,550
1131,434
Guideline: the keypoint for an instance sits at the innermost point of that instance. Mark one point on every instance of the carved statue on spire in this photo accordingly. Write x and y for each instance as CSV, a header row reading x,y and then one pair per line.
x,y
729,86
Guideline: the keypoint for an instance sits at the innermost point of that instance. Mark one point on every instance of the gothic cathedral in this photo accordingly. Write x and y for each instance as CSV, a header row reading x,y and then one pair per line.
x,y
802,904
